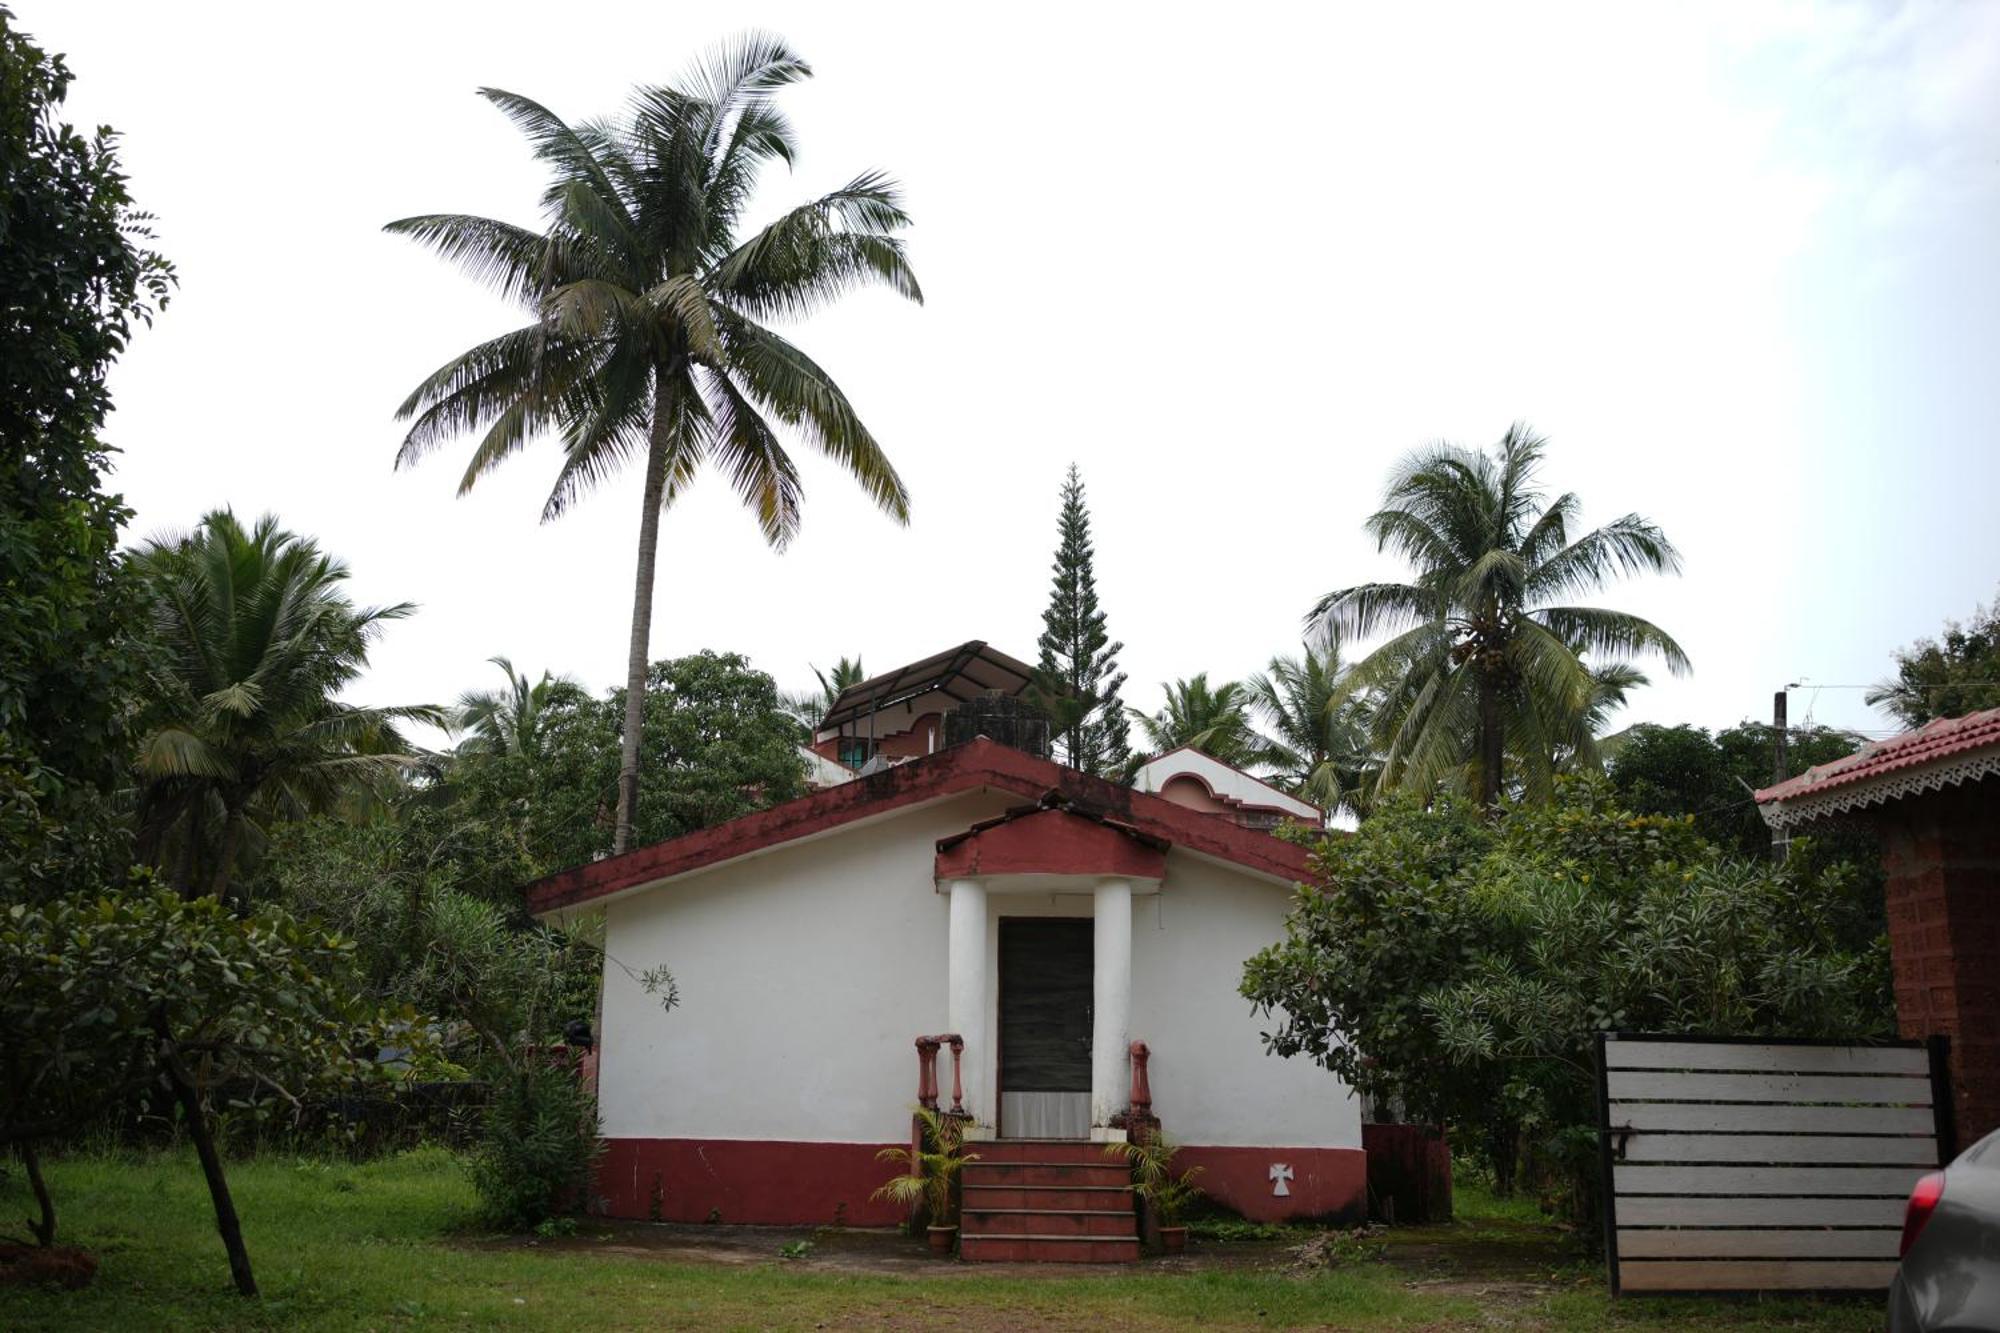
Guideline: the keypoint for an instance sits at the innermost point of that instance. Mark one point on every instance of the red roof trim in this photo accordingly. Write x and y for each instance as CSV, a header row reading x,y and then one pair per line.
x,y
976,765
1941,739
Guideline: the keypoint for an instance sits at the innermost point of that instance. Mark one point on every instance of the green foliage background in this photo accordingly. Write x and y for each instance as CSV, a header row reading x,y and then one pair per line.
x,y
1461,968
75,277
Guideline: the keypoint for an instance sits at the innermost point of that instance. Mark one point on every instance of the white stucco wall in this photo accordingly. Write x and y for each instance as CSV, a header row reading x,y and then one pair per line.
x,y
1212,1082
805,975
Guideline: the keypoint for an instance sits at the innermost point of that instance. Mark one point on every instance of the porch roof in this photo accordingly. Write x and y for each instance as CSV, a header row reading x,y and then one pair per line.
x,y
977,765
1054,836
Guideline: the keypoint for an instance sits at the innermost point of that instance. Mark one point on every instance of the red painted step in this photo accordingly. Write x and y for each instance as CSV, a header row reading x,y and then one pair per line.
x,y
1038,1201
1066,1151
1047,1222
1048,1250
1094,1198
1047,1173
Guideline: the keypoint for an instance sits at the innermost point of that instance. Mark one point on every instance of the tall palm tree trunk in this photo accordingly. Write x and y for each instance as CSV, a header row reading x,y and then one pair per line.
x,y
225,858
1491,741
636,660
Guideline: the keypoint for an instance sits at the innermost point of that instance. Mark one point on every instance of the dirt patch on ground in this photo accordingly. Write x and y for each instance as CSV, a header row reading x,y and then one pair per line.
x,y
882,1252
57,1266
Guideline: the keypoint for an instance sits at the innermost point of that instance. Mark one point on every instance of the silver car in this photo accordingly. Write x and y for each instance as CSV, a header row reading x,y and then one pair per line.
x,y
1949,1278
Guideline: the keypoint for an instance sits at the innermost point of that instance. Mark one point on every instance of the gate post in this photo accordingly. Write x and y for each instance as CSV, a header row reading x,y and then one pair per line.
x,y
1605,1167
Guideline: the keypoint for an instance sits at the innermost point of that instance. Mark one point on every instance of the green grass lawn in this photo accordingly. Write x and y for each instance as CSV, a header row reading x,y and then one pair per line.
x,y
388,1245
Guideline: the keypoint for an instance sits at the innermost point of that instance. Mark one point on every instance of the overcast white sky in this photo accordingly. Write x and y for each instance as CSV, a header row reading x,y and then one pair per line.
x,y
1738,262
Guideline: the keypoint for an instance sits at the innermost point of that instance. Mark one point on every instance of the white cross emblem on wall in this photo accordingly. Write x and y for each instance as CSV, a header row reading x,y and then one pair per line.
x,y
1280,1173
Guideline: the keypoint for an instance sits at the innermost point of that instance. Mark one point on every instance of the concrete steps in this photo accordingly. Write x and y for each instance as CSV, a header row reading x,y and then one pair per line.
x,y
1037,1201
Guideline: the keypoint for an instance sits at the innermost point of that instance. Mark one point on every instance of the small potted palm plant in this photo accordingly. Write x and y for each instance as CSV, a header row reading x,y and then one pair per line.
x,y
932,1171
1167,1192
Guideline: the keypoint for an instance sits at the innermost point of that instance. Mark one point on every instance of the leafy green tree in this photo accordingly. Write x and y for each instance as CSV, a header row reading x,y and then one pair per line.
x,y
647,336
487,821
1076,677
1949,676
1212,719
506,721
1466,965
75,277
254,638
101,1000
1380,922
1683,770
1480,667
718,742
809,708
1321,730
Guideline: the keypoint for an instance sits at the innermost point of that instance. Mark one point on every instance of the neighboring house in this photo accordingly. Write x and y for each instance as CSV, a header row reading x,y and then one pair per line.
x,y
822,772
901,715
1933,798
1049,919
1188,777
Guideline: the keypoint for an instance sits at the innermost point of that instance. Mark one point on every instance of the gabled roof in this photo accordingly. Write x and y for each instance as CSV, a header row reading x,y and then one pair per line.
x,y
978,765
962,673
1938,754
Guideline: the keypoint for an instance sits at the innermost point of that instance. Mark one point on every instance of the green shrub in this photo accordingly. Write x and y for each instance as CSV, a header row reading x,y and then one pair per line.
x,y
540,1143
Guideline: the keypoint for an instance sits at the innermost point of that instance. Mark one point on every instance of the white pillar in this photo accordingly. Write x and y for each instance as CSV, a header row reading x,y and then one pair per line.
x,y
965,992
1111,1008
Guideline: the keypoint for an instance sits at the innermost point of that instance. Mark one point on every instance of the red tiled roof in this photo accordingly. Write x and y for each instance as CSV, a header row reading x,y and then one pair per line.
x,y
978,765
1934,741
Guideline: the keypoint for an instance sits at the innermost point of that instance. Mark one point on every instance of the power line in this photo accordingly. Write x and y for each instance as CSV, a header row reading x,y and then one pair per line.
x,y
1806,682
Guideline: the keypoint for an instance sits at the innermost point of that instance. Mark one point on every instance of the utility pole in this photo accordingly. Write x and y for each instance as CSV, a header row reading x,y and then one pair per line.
x,y
1780,767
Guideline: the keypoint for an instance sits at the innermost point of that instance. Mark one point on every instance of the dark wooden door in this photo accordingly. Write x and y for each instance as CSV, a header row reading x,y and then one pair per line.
x,y
1045,976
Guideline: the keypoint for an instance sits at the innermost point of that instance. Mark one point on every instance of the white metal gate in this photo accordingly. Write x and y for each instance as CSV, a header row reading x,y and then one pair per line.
x,y
1753,1165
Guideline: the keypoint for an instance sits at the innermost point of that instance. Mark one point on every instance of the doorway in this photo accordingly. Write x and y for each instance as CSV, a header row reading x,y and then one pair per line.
x,y
1046,967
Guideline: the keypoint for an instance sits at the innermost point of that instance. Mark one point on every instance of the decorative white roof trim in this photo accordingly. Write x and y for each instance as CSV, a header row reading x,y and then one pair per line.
x,y
1952,772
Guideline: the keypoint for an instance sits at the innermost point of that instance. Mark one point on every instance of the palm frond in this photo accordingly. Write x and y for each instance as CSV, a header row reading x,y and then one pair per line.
x,y
1374,608
1612,634
573,154
790,386
758,466
513,261
1631,545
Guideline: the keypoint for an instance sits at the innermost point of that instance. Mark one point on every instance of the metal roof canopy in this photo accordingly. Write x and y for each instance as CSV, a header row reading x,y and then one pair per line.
x,y
962,673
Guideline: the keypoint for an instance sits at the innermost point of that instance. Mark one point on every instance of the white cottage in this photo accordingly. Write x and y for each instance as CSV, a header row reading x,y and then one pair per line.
x,y
1061,953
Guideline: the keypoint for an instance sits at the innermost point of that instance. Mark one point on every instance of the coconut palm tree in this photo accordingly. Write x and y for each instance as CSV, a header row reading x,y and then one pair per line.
x,y
1480,665
807,707
509,721
646,337
1321,731
1212,719
254,637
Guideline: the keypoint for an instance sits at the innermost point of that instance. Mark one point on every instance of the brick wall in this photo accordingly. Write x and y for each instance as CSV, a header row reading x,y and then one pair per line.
x,y
1941,853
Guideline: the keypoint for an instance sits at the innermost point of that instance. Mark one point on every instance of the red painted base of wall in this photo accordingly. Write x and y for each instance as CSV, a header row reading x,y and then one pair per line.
x,y
1328,1183
745,1181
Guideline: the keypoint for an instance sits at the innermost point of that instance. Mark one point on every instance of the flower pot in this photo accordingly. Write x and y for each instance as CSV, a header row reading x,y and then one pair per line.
x,y
942,1239
1173,1240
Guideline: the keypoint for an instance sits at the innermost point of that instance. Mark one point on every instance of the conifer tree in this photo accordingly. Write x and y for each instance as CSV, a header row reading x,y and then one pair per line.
x,y
1077,677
